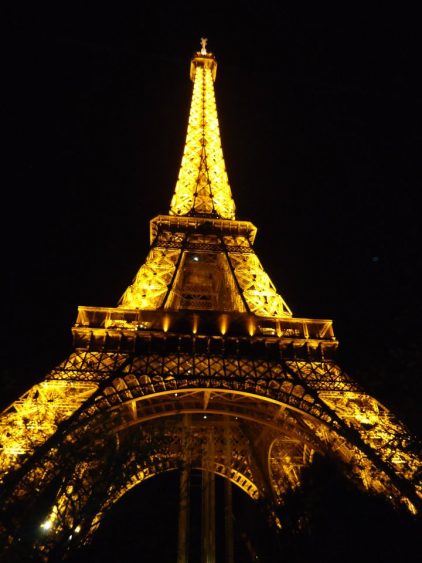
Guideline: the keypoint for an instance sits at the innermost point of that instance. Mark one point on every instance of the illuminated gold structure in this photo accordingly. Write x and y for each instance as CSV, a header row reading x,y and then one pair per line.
x,y
201,365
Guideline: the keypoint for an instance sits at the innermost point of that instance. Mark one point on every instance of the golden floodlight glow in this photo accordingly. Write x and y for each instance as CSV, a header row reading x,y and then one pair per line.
x,y
128,374
203,191
166,323
151,282
34,417
46,525
223,323
195,322
203,186
49,522
251,326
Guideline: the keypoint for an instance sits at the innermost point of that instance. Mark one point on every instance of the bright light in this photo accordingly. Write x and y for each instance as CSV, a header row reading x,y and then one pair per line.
x,y
223,322
166,323
195,321
251,327
203,185
46,525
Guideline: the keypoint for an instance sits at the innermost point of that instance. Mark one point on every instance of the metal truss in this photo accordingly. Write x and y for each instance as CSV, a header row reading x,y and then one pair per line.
x,y
34,417
258,290
203,186
175,276
150,285
123,426
201,363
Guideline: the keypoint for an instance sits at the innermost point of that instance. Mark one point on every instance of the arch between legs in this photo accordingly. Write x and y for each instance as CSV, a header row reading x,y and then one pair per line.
x,y
252,424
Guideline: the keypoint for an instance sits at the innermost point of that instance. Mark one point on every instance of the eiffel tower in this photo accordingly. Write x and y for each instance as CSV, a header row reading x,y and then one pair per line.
x,y
200,366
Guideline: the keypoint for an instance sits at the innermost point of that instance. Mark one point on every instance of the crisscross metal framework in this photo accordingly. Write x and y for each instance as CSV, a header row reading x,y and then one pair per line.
x,y
202,355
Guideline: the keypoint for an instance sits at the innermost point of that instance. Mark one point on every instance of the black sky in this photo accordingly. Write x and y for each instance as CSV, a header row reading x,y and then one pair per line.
x,y
321,135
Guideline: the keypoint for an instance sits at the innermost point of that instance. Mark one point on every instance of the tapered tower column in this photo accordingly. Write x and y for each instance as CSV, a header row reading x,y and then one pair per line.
x,y
208,504
184,498
228,496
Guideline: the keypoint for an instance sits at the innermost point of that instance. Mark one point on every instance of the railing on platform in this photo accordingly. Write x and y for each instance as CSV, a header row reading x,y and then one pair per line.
x,y
205,322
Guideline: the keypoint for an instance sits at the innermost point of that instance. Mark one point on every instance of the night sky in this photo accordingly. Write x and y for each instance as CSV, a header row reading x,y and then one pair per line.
x,y
321,136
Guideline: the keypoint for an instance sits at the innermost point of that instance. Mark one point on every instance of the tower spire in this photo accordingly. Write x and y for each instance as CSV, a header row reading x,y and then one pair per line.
x,y
204,42
203,187
201,257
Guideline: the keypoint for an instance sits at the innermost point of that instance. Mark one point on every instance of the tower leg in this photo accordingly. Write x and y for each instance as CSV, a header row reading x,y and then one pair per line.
x,y
228,520
208,505
183,539
228,496
184,497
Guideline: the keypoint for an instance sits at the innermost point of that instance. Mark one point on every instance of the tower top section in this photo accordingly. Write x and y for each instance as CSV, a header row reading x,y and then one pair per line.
x,y
203,59
202,187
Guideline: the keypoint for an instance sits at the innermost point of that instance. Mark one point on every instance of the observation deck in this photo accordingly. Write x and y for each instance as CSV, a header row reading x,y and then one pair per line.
x,y
108,328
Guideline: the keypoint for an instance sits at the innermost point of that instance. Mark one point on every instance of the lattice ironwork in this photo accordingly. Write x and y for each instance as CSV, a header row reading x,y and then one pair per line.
x,y
33,418
150,285
200,345
203,186
258,290
136,412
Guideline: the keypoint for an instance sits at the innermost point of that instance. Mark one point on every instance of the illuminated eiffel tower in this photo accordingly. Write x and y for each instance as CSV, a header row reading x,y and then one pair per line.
x,y
201,366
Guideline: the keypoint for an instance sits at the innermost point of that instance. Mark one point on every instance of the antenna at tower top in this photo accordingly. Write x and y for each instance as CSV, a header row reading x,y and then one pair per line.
x,y
204,41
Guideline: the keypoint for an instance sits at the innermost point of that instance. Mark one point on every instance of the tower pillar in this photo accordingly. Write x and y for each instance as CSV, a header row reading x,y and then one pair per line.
x,y
228,496
184,497
208,503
